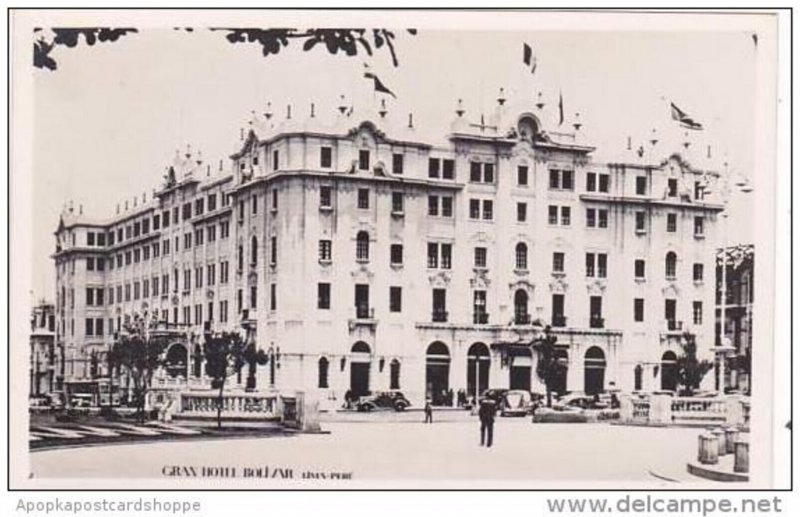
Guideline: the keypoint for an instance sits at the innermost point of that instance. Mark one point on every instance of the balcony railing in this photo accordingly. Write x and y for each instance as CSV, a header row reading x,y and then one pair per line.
x,y
365,312
596,322
439,316
559,320
480,318
674,326
522,319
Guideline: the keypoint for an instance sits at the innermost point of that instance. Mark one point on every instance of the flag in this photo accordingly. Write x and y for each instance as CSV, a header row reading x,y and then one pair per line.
x,y
560,109
683,119
528,58
379,86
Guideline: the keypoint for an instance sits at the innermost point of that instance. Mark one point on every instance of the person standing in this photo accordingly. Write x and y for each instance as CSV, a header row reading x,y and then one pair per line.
x,y
428,412
486,414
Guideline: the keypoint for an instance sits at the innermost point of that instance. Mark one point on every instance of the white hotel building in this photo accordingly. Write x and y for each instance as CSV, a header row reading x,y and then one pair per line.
x,y
362,258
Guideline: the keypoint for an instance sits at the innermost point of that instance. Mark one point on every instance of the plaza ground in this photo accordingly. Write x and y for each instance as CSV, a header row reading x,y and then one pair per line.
x,y
523,452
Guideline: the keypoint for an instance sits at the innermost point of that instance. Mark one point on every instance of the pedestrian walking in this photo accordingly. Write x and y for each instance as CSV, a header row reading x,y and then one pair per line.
x,y
486,414
428,412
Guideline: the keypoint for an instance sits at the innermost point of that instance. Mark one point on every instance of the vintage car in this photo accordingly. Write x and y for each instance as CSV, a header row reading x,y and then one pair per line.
x,y
383,400
516,403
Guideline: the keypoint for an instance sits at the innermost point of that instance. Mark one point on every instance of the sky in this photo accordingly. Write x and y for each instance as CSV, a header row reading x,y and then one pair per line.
x,y
109,120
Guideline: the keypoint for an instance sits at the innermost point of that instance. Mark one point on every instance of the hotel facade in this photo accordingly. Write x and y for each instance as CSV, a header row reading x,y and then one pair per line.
x,y
362,257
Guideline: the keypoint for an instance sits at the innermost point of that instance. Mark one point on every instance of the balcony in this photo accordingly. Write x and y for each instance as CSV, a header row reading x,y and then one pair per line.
x,y
364,312
596,322
674,326
480,318
439,316
522,319
558,321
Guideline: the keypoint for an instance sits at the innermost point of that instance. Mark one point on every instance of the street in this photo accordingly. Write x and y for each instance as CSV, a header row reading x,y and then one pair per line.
x,y
408,451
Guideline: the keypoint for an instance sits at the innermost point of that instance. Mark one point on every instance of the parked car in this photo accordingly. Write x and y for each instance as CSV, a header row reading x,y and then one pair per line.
x,y
383,400
580,401
516,403
495,394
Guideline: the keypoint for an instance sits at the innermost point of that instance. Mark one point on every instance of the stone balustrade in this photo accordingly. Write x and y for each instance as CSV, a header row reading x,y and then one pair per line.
x,y
665,409
234,405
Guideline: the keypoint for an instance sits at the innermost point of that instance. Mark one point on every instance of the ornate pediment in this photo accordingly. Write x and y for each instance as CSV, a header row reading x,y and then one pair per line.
x,y
559,285
480,278
481,237
671,290
440,279
362,273
522,283
367,132
596,287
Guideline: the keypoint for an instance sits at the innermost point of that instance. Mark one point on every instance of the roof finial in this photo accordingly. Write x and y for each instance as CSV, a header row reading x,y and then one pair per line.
x,y
80,209
268,113
629,144
460,109
708,151
342,106
577,124
383,110
288,111
501,98
411,121
241,134
312,110
483,122
539,102
188,151
686,142
654,137
144,198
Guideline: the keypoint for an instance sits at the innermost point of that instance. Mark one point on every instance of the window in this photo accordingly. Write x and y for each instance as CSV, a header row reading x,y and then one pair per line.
x,y
275,160
641,185
697,312
481,172
562,179
565,216
325,250
447,206
521,254
199,207
446,250
397,202
325,197
552,215
479,315
397,163
363,198
362,246
699,190
596,312
672,187
187,279
224,229
638,309
596,263
211,233
322,368
223,272
253,251
672,222
591,218
137,255
137,228
670,265
521,316
602,263
433,205
211,274
90,326
396,254
198,237
522,175
697,272
325,157
395,299
90,238
474,208
603,182
439,305
487,209
89,296
433,255
145,253
522,212
638,269
480,257
187,211
448,169
212,202
363,160
590,264
558,262
187,241
165,218
274,200
640,222
698,226
100,264
323,296
433,167
591,181
558,319
273,250
602,218
90,264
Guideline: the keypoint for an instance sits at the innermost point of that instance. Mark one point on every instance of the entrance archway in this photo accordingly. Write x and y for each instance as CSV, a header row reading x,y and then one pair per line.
x,y
594,365
520,371
360,361
437,373
478,363
669,371
177,361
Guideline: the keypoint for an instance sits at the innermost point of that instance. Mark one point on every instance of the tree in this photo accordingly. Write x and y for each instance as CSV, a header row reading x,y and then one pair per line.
x,y
548,365
690,370
139,355
272,41
226,354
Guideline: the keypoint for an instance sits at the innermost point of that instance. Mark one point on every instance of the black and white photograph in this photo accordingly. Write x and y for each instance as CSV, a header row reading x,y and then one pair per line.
x,y
447,249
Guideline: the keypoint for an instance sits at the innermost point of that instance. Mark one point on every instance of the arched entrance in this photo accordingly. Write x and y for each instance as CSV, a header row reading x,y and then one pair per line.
x,y
594,371
519,373
637,377
437,373
669,371
394,375
478,362
177,361
360,360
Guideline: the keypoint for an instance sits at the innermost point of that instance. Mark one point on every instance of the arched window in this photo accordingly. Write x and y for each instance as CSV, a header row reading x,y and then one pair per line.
x,y
671,264
323,373
521,307
362,246
522,255
253,251
240,257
